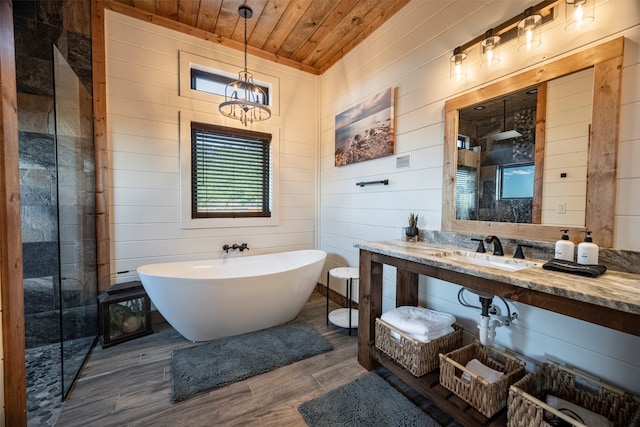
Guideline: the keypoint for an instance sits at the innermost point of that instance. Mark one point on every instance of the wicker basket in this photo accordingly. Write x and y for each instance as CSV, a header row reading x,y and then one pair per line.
x,y
487,398
415,356
527,406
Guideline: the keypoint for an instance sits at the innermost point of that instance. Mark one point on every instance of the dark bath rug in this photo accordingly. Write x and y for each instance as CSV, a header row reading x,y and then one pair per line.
x,y
218,363
368,401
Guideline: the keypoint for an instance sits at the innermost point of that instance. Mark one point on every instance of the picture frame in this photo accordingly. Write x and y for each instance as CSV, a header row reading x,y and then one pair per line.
x,y
366,130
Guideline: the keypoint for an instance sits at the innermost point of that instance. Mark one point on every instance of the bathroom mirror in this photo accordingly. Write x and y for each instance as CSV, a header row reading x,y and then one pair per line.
x,y
606,63
499,154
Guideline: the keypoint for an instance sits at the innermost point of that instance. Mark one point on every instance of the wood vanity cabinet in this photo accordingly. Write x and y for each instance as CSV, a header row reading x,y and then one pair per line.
x,y
408,268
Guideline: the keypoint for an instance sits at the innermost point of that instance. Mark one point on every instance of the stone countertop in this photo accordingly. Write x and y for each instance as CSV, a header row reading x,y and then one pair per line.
x,y
613,289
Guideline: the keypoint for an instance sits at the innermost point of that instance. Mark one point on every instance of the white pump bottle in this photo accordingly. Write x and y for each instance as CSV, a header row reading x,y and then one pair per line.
x,y
588,251
565,248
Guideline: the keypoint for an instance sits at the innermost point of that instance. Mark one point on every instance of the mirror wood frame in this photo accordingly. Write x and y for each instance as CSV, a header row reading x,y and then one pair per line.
x,y
606,58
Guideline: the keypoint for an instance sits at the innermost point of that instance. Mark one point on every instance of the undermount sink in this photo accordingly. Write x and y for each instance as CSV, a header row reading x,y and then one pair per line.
x,y
491,261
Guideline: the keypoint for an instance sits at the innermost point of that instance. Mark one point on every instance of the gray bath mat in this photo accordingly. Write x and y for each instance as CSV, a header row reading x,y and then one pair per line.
x,y
218,363
366,402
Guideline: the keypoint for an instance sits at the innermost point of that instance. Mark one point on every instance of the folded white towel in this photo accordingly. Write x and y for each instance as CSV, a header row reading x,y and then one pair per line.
x,y
418,320
426,338
433,335
587,417
482,370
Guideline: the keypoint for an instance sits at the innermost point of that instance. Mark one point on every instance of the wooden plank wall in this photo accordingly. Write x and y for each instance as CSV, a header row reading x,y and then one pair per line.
x,y
412,52
100,143
145,107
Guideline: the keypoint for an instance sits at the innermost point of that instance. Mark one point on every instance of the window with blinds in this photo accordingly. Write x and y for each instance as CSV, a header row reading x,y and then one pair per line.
x,y
230,172
466,193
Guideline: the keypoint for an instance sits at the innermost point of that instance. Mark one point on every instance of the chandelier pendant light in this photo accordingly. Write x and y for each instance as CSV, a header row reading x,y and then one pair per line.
x,y
243,99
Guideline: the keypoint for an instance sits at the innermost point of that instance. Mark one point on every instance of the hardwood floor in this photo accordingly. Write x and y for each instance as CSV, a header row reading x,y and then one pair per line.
x,y
129,384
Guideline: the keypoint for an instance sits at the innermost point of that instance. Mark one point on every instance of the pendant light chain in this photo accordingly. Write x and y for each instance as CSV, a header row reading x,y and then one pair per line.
x,y
243,99
245,41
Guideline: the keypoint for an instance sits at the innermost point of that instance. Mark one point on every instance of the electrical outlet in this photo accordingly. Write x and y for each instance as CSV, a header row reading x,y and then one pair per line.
x,y
561,208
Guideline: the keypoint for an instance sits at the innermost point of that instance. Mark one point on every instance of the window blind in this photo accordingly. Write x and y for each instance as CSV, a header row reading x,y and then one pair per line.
x,y
466,193
230,172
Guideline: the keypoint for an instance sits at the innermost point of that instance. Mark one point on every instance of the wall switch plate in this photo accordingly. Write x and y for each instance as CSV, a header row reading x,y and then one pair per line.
x,y
561,208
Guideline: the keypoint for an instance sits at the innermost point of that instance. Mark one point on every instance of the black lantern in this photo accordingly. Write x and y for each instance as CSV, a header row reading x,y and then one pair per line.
x,y
124,312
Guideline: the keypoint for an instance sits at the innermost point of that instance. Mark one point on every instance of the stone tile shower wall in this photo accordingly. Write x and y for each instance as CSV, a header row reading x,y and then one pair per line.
x,y
38,26
517,150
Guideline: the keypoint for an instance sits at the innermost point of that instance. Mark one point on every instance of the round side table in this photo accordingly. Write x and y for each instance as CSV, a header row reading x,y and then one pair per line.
x,y
343,317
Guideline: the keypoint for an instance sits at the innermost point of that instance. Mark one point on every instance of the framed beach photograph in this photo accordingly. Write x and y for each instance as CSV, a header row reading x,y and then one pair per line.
x,y
366,131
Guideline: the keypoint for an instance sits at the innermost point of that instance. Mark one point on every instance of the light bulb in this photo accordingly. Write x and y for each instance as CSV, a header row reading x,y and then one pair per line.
x,y
457,65
529,36
577,15
489,50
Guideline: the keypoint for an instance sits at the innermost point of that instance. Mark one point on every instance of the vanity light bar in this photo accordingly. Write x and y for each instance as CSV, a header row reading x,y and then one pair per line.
x,y
508,30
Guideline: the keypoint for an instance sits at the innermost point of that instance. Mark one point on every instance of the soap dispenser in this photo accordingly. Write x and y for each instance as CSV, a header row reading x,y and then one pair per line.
x,y
565,248
588,251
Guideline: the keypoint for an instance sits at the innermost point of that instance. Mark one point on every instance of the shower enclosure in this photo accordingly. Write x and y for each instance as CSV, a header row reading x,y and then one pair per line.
x,y
59,250
76,218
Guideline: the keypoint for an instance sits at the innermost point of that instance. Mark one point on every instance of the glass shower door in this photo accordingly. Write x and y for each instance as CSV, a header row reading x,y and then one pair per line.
x,y
75,163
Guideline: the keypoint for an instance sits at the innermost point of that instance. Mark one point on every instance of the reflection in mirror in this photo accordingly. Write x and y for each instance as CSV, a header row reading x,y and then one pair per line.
x,y
497,148
568,124
495,168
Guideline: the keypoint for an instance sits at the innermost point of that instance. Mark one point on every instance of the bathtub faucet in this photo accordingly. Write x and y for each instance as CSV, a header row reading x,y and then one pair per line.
x,y
241,247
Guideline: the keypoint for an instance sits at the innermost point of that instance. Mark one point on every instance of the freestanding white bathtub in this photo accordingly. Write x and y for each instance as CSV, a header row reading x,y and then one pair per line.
x,y
206,300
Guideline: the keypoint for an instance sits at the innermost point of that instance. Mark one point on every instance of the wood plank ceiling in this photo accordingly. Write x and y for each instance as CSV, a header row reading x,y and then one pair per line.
x,y
310,35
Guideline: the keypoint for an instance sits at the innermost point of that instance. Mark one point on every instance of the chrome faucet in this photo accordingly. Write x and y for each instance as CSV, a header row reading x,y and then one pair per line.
x,y
497,246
